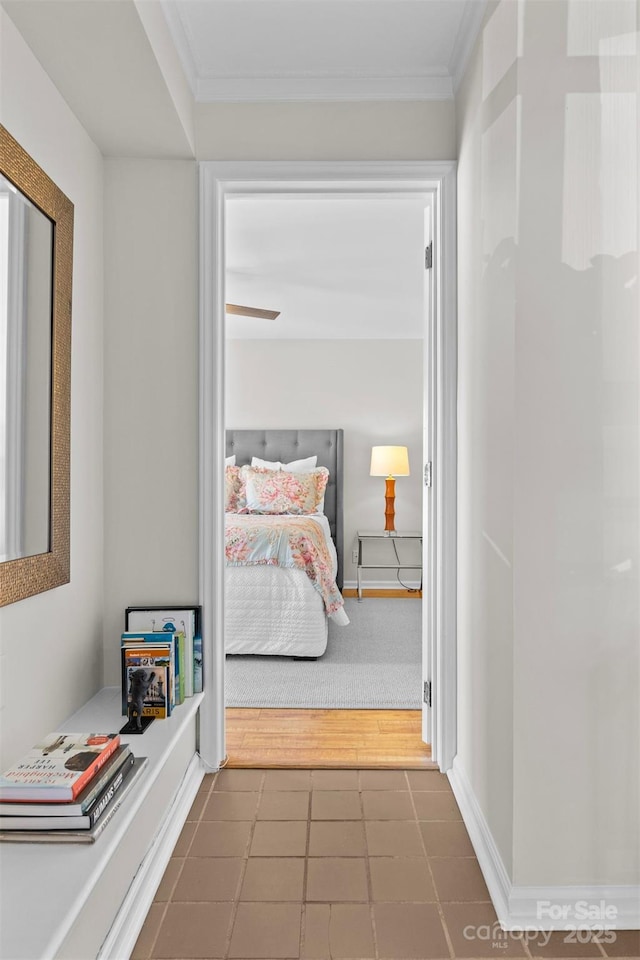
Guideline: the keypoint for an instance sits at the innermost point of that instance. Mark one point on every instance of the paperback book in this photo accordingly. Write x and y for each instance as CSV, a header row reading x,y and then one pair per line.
x,y
83,835
155,662
144,643
85,800
177,640
59,767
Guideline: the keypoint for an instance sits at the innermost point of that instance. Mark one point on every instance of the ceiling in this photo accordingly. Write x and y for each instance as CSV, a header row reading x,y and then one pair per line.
x,y
336,268
323,49
115,64
139,73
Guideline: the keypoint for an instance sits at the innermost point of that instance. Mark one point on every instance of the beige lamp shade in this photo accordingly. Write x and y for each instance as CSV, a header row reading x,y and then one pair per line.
x,y
389,462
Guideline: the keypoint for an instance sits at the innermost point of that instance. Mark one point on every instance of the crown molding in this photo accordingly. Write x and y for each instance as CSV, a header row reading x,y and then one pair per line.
x,y
468,31
275,89
181,41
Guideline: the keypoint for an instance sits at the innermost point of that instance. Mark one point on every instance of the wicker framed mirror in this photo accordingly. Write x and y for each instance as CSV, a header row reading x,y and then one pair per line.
x,y
36,265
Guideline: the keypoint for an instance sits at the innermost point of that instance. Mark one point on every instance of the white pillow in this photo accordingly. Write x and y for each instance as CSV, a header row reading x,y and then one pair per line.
x,y
230,461
295,466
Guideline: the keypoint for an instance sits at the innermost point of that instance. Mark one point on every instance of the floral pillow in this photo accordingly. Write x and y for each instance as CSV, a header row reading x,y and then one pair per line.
x,y
233,490
279,491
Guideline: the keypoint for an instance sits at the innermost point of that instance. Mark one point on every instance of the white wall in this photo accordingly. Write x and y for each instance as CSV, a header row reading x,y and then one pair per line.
x,y
151,390
326,131
549,531
151,327
486,323
370,388
51,644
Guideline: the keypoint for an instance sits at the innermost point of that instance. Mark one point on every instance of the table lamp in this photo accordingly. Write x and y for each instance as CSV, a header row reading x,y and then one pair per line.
x,y
389,462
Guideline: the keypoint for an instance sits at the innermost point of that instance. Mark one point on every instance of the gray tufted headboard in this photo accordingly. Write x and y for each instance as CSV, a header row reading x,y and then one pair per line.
x,y
287,445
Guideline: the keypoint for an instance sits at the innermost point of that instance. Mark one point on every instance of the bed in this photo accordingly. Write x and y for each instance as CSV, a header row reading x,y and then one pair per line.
x,y
274,610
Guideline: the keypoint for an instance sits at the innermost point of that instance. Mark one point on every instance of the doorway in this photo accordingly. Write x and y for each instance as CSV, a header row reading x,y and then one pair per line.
x,y
434,183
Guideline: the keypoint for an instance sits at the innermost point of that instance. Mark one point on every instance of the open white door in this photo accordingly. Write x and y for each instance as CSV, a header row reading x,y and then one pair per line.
x,y
436,180
428,525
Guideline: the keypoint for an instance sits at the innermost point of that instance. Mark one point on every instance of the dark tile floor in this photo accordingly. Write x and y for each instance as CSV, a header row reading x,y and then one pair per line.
x,y
340,864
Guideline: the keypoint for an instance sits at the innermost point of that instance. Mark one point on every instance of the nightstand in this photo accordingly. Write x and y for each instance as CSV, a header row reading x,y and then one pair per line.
x,y
393,539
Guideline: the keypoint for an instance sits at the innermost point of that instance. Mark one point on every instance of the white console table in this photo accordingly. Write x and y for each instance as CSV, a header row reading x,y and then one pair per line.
x,y
81,901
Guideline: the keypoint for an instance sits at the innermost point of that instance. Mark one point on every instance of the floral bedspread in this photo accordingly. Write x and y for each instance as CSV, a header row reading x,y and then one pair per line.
x,y
283,541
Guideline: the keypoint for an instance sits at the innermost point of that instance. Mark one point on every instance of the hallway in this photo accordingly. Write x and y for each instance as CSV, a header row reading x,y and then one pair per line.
x,y
333,863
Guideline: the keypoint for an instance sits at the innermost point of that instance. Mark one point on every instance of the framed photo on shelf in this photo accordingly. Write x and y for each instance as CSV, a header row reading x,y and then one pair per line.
x,y
174,618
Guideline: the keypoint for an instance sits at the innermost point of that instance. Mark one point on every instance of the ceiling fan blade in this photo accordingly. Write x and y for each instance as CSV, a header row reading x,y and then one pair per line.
x,y
256,312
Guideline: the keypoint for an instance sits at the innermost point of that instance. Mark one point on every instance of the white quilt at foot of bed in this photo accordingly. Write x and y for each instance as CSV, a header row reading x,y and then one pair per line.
x,y
273,611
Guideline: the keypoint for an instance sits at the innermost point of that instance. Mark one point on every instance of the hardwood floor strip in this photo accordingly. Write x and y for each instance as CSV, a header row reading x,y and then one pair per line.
x,y
311,739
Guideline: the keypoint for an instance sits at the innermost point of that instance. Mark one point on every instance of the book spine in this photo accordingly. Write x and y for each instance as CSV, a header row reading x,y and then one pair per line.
x,y
176,670
188,663
197,664
182,665
108,797
119,797
102,785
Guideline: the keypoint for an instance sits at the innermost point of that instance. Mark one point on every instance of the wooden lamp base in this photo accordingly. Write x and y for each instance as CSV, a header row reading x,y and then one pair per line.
x,y
389,508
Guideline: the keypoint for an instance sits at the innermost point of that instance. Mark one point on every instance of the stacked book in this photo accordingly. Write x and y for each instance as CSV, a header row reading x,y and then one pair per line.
x,y
159,659
162,624
67,788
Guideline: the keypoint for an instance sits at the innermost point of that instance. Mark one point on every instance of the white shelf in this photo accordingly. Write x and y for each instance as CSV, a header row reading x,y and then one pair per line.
x,y
44,886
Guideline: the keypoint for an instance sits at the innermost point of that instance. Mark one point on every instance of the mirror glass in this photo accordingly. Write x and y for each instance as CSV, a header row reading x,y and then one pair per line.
x,y
26,284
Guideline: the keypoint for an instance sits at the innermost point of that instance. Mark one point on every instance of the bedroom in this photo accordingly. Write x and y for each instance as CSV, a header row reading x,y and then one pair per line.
x,y
346,351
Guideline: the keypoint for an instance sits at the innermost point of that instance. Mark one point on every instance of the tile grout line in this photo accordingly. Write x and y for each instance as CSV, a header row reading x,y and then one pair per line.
x,y
235,904
305,874
372,915
206,798
159,927
445,928
527,952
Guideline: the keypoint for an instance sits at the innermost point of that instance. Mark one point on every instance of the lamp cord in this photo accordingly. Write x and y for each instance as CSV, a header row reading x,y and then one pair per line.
x,y
406,587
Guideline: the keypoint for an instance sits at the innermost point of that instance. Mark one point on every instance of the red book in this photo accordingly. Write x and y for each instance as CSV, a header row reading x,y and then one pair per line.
x,y
58,768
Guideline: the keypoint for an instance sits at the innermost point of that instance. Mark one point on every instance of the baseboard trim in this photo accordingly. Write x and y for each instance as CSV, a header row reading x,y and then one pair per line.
x,y
520,906
400,594
127,925
491,863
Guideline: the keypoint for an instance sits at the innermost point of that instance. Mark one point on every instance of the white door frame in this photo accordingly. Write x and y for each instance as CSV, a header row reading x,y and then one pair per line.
x,y
219,180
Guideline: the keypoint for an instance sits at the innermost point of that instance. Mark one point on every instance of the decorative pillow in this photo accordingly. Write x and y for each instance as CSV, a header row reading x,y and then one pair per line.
x,y
233,499
230,461
308,465
295,466
282,491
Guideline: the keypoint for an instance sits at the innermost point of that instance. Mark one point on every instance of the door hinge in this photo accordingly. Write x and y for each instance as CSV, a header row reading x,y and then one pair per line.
x,y
427,473
427,692
428,257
